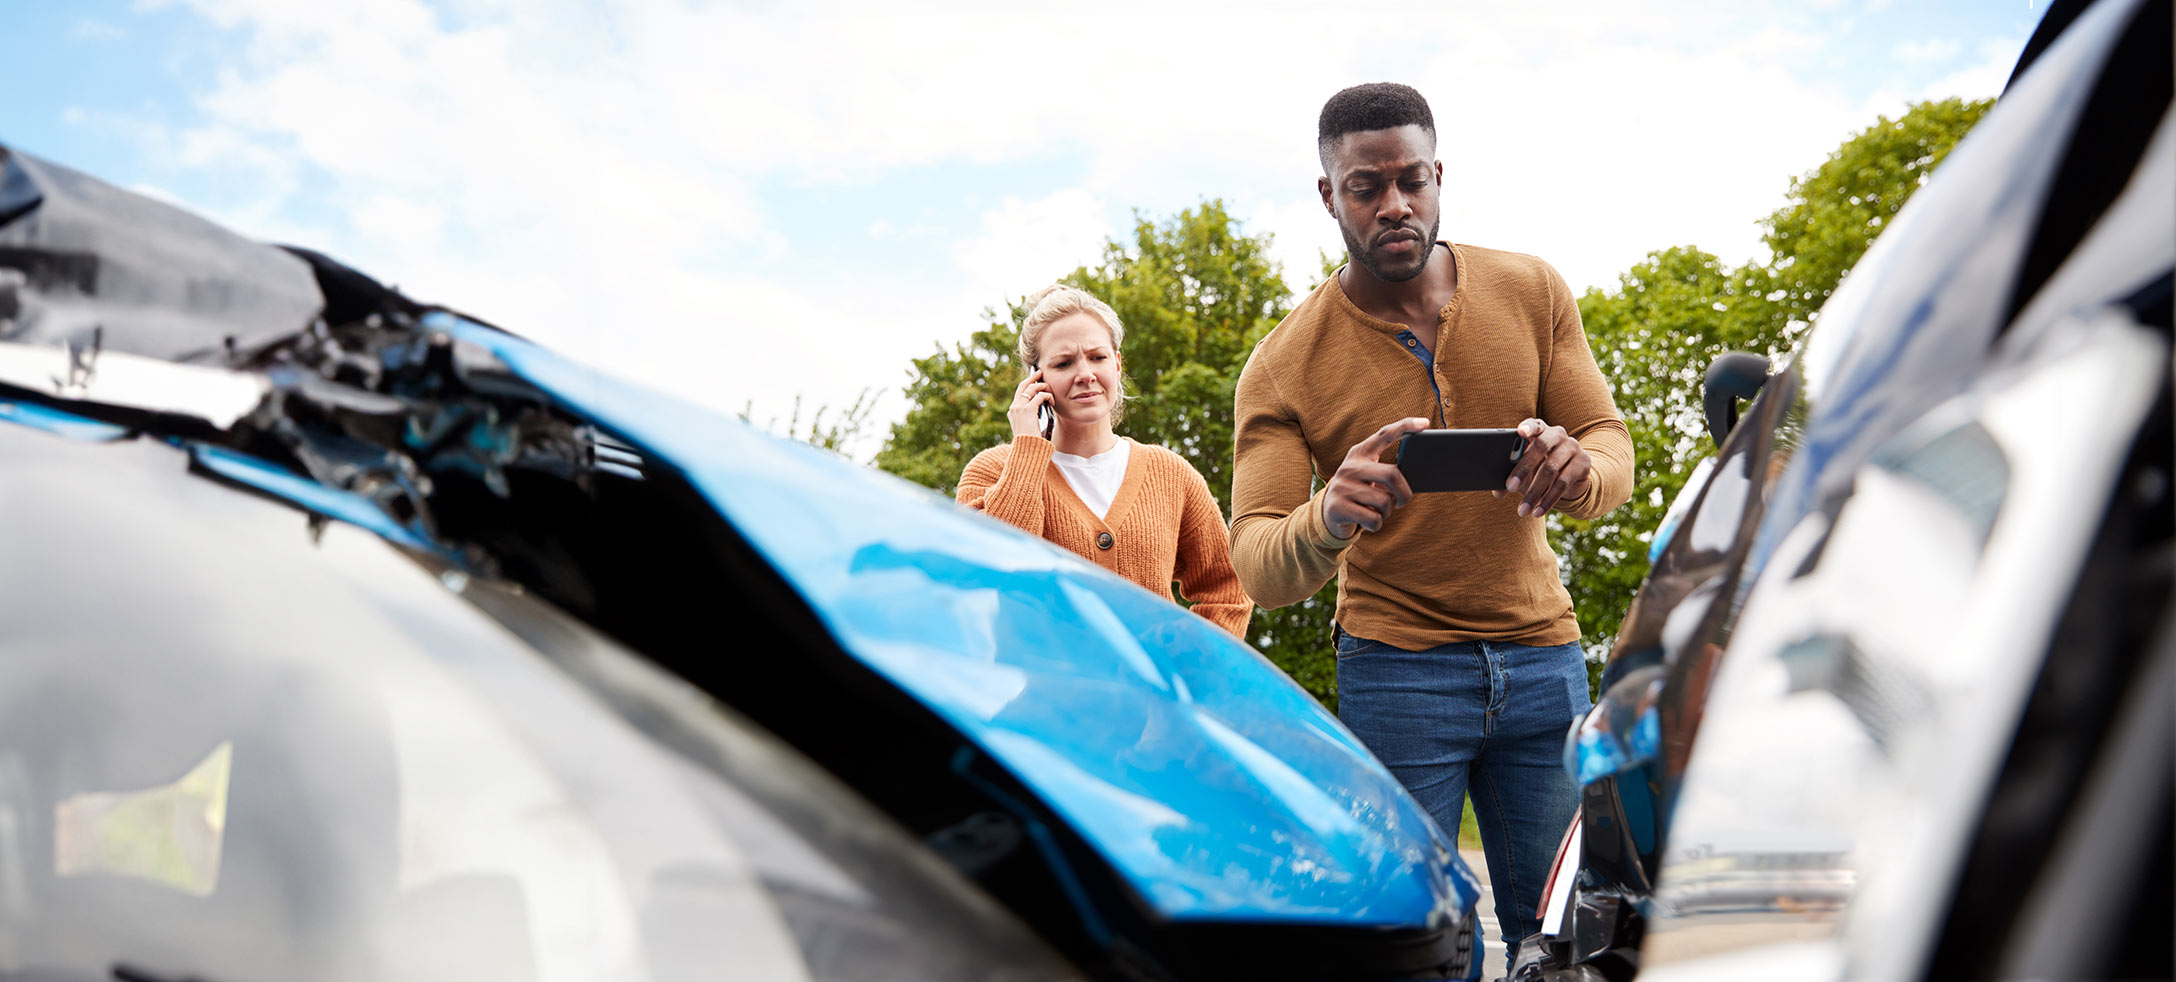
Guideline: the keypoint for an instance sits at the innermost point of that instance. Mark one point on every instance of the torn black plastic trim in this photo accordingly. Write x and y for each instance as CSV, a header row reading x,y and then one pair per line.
x,y
79,255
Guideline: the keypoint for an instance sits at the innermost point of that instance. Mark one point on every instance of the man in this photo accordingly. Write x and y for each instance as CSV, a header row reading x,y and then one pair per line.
x,y
1458,660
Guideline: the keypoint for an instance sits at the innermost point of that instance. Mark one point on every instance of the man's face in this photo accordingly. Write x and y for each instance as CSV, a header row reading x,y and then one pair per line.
x,y
1385,190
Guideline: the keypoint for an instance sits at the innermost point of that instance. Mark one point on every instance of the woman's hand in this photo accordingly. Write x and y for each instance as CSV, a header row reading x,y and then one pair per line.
x,y
1033,392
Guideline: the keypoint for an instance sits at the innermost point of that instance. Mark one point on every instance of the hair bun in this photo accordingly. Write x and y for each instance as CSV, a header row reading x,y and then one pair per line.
x,y
1035,299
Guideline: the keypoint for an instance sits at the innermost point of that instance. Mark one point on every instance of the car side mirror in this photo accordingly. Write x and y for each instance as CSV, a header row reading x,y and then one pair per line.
x,y
1734,375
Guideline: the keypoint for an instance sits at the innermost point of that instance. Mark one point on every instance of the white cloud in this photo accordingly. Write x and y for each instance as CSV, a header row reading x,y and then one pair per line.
x,y
625,182
1934,51
397,220
1023,246
1302,232
1983,80
1611,152
92,29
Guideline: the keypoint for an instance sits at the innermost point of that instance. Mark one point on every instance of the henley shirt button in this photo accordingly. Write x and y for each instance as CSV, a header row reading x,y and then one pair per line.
x,y
1103,540
1412,342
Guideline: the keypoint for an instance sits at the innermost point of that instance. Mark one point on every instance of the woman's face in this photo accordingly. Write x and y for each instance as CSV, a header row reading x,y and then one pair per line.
x,y
1081,368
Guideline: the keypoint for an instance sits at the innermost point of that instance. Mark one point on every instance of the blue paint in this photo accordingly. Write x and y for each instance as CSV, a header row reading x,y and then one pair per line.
x,y
1218,788
1663,535
1597,756
1647,736
60,423
351,508
1636,791
1622,732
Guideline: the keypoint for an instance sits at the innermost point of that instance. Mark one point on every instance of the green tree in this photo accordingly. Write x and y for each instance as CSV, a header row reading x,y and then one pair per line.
x,y
838,435
1655,333
1653,336
1834,212
1195,293
956,405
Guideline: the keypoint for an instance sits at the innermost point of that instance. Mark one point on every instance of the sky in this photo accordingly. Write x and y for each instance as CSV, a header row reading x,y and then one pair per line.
x,y
753,203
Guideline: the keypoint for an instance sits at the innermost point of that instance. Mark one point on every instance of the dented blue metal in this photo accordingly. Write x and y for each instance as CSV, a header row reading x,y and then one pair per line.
x,y
1215,785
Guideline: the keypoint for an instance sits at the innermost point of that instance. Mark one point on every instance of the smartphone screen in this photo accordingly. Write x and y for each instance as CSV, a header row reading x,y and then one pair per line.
x,y
1459,460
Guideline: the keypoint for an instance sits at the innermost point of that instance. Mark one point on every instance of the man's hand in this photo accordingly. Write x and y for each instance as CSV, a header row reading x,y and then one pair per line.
x,y
1364,491
1553,470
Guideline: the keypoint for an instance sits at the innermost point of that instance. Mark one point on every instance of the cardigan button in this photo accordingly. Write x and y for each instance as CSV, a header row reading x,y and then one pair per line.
x,y
1103,540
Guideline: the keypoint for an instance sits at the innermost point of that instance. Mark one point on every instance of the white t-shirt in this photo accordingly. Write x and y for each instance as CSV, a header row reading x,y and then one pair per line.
x,y
1096,479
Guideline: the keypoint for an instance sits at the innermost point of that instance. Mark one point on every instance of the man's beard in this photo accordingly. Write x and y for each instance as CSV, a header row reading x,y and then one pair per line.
x,y
1366,258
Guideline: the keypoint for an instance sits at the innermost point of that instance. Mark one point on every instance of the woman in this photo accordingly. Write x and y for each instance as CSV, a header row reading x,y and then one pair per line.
x,y
1137,510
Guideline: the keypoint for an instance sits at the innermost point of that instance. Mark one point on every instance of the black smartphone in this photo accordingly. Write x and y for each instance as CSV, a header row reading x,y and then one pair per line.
x,y
1048,419
1459,460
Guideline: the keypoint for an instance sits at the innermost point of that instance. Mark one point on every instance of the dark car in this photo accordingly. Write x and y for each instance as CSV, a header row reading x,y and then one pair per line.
x,y
1894,700
350,637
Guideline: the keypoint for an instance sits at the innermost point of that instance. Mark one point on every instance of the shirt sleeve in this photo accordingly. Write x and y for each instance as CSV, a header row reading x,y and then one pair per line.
x,y
1008,483
1576,397
1281,549
1204,570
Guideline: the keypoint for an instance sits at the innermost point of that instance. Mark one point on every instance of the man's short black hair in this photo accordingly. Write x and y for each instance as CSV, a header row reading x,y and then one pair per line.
x,y
1374,106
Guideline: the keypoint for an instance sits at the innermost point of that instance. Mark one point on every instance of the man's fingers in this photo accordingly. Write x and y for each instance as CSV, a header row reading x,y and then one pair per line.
x,y
1553,478
1393,481
1373,496
1544,444
1522,473
1538,488
1365,494
1376,473
1379,441
1548,498
1368,513
1360,513
1570,481
1364,491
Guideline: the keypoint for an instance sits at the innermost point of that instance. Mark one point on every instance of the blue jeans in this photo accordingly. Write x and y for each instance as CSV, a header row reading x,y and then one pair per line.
x,y
1484,713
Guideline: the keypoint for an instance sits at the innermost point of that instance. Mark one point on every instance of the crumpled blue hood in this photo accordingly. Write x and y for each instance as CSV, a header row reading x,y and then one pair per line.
x,y
1218,788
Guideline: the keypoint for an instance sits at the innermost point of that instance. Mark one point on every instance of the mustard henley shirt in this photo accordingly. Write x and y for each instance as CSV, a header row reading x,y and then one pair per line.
x,y
1448,566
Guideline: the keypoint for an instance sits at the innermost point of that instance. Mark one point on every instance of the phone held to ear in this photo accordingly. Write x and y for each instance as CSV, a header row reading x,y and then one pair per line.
x,y
1048,419
1459,460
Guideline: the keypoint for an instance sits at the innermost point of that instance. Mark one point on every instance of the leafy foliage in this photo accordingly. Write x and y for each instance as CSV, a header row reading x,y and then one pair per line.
x,y
957,399
1835,211
837,436
1670,316
1196,293
1654,336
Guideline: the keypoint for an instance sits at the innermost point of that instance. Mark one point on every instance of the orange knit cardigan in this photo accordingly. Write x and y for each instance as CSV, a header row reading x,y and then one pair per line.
x,y
1163,524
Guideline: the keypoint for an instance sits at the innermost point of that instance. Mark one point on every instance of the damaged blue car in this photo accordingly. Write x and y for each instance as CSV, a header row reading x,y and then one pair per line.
x,y
350,637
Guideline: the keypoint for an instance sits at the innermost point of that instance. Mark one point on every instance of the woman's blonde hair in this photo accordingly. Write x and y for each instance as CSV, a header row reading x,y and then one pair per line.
x,y
1056,302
